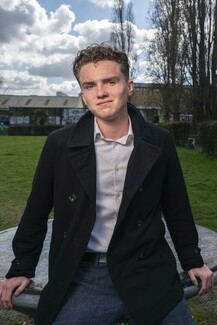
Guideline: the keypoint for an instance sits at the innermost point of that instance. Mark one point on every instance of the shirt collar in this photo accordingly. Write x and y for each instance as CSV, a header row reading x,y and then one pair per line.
x,y
98,134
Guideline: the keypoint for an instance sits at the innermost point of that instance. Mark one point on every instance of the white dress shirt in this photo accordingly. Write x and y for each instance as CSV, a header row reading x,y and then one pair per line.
x,y
112,158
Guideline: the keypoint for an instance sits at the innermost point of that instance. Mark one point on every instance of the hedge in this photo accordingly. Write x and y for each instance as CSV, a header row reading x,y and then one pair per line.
x,y
207,137
180,132
32,130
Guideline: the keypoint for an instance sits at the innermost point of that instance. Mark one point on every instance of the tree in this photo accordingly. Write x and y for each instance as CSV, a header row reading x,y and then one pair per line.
x,y
167,55
123,34
185,53
201,20
214,66
40,117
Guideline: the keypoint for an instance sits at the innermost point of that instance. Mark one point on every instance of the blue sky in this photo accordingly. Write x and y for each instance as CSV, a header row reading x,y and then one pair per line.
x,y
40,38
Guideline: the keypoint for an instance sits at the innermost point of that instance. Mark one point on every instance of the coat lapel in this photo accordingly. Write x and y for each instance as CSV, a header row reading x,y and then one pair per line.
x,y
141,161
82,154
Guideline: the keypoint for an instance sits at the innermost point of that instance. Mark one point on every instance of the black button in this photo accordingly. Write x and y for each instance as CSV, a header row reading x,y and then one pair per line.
x,y
140,189
139,223
142,256
72,197
65,234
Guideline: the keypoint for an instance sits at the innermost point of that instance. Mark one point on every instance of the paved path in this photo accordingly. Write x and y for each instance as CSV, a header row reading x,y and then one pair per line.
x,y
28,301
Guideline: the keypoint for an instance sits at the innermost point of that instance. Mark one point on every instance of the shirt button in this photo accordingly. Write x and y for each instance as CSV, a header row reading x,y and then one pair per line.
x,y
116,170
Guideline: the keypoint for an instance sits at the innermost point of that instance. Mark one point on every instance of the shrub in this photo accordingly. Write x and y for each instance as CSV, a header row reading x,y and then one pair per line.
x,y
3,130
180,132
32,129
207,137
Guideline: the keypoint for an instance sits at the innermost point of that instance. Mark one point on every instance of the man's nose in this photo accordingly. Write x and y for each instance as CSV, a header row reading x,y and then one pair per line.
x,y
101,91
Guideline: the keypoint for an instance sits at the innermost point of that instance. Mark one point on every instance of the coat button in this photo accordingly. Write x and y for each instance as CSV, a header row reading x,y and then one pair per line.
x,y
65,234
140,189
196,250
72,198
139,223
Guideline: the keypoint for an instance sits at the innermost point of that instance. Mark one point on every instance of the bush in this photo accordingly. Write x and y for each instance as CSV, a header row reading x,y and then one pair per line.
x,y
3,130
207,137
180,132
33,129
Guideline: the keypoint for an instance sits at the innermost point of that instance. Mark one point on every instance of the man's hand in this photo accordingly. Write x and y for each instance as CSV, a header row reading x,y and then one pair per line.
x,y
206,277
8,287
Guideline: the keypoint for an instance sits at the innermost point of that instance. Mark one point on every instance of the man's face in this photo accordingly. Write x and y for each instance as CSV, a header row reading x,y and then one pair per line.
x,y
105,89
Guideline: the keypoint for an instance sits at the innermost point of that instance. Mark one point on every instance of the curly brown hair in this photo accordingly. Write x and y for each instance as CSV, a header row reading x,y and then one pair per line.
x,y
100,52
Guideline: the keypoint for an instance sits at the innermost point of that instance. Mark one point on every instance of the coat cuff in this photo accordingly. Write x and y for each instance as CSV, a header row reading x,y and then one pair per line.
x,y
190,258
20,267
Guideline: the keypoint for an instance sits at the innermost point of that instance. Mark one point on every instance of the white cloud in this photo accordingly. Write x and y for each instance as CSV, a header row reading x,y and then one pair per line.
x,y
38,47
21,83
56,66
68,87
95,31
105,3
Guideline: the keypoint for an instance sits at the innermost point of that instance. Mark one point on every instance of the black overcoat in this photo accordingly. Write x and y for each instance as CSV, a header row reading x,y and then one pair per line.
x,y
140,262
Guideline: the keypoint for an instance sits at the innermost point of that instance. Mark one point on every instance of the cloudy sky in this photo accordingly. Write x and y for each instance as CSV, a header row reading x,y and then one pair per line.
x,y
39,39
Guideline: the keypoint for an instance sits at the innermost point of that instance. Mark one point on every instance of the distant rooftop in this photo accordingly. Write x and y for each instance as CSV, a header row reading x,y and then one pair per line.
x,y
7,101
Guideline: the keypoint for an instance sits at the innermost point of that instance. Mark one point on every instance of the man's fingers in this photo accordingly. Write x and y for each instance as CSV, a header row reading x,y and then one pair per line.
x,y
6,293
8,286
21,288
193,278
206,277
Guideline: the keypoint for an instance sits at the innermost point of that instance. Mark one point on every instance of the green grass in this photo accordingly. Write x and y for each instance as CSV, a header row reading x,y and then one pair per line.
x,y
19,156
200,172
18,159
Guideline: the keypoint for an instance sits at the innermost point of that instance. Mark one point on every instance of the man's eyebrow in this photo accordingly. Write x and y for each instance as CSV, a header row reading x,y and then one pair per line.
x,y
111,78
90,82
84,83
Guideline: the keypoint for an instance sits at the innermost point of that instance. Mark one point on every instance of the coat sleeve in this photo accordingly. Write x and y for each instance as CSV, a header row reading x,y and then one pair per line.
x,y
177,212
28,240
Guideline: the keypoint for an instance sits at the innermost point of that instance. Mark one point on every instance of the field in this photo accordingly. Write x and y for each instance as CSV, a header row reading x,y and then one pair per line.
x,y
18,159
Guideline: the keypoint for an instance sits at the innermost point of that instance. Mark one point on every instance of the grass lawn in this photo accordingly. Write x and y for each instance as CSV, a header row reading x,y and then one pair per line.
x,y
18,159
200,172
19,156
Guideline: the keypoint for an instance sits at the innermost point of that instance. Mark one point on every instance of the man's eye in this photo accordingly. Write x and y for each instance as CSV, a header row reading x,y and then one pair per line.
x,y
111,82
89,86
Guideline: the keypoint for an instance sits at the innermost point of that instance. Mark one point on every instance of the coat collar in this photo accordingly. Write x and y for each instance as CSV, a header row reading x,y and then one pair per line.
x,y
83,160
82,134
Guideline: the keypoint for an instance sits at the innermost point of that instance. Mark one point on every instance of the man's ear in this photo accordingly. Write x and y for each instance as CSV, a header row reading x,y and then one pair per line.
x,y
130,87
82,96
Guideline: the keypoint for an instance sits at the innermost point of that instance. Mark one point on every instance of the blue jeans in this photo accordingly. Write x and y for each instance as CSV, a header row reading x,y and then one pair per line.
x,y
93,300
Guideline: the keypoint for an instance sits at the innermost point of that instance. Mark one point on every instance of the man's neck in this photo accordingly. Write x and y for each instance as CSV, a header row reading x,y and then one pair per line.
x,y
114,129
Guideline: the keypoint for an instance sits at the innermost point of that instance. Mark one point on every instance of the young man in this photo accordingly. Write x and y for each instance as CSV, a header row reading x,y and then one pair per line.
x,y
109,178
